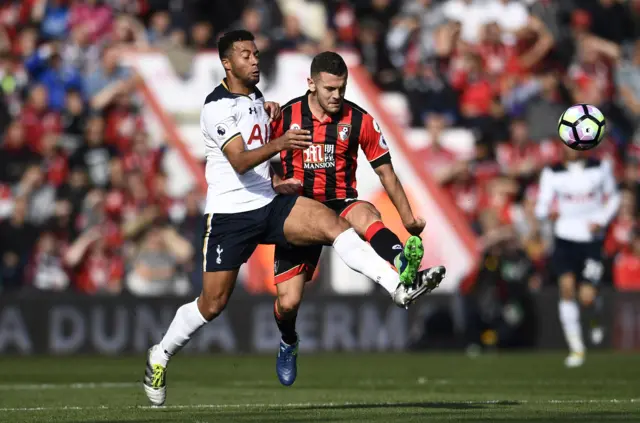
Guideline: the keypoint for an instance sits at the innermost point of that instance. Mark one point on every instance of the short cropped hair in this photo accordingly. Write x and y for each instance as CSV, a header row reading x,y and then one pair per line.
x,y
225,43
328,62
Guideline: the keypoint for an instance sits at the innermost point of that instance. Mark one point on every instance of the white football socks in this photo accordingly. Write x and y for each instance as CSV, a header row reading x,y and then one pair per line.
x,y
356,253
361,257
184,325
570,319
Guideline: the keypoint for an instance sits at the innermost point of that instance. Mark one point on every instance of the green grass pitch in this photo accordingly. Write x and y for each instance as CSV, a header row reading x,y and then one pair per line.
x,y
330,388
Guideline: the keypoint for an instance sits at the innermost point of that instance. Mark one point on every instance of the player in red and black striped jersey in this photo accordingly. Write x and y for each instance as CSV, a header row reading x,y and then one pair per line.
x,y
326,172
327,169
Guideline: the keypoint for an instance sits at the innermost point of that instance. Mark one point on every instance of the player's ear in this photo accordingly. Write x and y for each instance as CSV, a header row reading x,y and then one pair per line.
x,y
226,64
311,84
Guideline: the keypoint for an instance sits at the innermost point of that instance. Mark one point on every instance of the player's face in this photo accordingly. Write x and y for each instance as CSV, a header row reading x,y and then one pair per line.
x,y
329,90
244,62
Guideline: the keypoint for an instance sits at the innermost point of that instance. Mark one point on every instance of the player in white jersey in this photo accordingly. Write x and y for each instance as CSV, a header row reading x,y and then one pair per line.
x,y
587,199
243,210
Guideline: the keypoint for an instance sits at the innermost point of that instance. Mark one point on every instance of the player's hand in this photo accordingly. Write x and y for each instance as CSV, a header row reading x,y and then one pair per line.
x,y
273,109
553,216
415,226
295,139
288,186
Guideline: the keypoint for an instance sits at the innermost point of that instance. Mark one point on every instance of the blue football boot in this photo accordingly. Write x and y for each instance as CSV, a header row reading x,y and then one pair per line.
x,y
286,363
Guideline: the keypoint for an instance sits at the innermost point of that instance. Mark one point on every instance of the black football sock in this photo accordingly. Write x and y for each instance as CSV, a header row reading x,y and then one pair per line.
x,y
384,242
594,312
287,324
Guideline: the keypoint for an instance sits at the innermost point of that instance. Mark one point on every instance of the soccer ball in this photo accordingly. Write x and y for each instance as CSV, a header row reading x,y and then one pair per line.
x,y
581,127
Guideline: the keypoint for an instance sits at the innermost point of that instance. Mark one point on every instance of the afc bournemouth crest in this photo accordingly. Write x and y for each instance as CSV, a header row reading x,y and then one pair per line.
x,y
344,130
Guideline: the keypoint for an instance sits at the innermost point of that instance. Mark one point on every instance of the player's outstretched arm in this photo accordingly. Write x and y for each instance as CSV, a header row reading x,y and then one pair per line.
x,y
391,184
243,160
376,150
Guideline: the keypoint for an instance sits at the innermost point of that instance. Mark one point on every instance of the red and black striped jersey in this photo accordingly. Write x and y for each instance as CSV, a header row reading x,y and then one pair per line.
x,y
327,168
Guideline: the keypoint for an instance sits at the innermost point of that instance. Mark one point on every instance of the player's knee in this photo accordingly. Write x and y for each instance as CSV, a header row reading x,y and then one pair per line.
x,y
567,287
587,295
334,225
363,216
370,213
342,224
290,294
339,226
289,302
375,214
212,305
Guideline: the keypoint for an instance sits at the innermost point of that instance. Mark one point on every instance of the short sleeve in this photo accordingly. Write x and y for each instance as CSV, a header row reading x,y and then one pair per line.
x,y
373,143
219,123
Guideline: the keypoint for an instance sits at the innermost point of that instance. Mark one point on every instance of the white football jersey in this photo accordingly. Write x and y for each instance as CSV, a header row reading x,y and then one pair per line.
x,y
226,116
585,192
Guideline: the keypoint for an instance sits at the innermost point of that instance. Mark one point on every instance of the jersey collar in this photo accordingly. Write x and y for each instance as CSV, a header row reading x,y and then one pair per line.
x,y
256,94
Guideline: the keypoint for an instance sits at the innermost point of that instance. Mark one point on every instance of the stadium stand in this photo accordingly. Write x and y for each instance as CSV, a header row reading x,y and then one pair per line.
x,y
85,203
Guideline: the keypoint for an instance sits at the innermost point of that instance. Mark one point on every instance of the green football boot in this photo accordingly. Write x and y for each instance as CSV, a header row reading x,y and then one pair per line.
x,y
409,260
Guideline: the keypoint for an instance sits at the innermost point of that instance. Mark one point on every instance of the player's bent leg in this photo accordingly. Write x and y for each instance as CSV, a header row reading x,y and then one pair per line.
x,y
289,297
216,290
310,222
293,267
592,304
367,221
570,319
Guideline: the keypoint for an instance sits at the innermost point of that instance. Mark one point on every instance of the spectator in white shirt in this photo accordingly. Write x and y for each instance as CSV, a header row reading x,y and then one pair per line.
x,y
472,15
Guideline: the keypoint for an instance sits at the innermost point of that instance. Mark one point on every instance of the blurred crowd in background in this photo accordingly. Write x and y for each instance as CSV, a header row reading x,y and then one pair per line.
x,y
83,199
506,70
